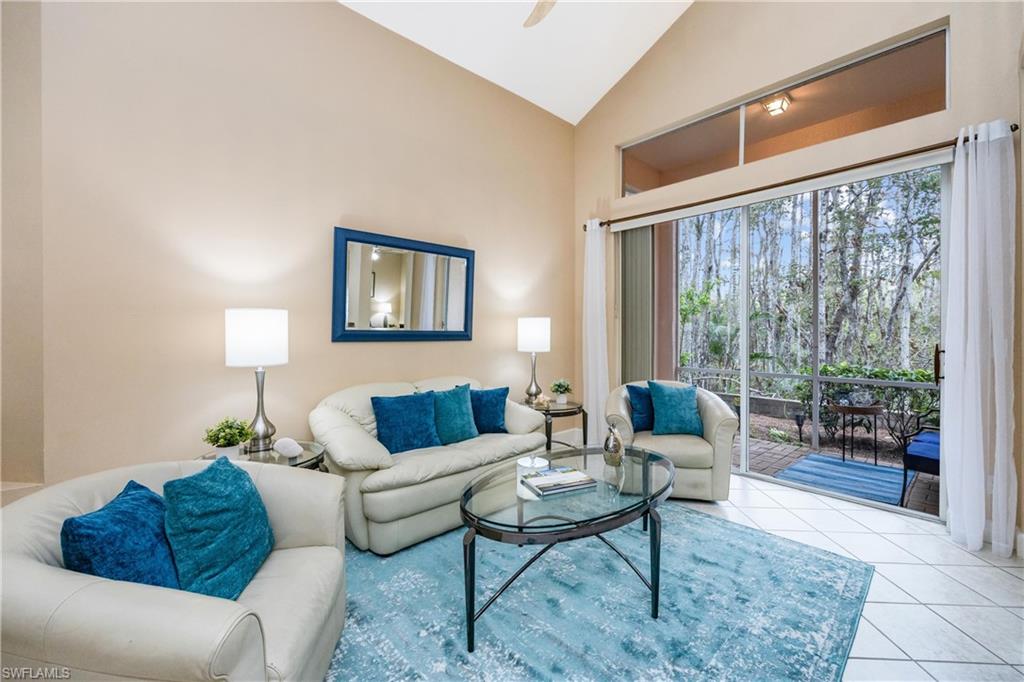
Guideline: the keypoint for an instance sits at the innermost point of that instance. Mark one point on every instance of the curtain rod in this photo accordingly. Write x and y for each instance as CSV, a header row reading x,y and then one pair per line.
x,y
813,176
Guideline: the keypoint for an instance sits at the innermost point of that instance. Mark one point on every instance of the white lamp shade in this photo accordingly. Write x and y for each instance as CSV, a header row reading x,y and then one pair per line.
x,y
534,334
255,337
382,307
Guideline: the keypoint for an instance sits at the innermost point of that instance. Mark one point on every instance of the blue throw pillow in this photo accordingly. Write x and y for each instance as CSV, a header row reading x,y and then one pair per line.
x,y
489,409
218,529
675,409
453,414
123,540
641,407
406,422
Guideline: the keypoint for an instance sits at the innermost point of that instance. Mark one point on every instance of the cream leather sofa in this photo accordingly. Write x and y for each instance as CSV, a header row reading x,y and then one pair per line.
x,y
393,501
284,626
703,463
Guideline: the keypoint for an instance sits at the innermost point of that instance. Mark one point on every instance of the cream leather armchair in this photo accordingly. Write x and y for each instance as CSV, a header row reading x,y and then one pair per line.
x,y
284,626
703,463
394,501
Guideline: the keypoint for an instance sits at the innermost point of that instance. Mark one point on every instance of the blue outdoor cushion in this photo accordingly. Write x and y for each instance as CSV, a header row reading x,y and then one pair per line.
x,y
489,409
926,448
641,407
122,540
218,529
453,415
406,422
675,409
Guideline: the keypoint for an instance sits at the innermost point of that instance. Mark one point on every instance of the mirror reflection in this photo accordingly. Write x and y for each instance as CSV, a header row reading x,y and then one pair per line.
x,y
397,289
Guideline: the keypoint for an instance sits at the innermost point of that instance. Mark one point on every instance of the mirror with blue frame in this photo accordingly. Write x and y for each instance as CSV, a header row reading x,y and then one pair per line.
x,y
393,289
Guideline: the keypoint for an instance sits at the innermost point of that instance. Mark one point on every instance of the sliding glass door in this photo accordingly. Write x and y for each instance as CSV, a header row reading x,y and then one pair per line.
x,y
817,316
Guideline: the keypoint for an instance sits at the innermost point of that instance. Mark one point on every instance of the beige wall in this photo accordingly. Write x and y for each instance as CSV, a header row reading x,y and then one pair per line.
x,y
196,157
716,54
21,404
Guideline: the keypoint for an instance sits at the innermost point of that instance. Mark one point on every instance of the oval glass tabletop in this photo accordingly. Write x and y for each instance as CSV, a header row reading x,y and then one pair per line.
x,y
498,499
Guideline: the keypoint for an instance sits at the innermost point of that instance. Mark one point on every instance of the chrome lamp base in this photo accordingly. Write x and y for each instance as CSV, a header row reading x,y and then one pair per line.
x,y
263,430
533,391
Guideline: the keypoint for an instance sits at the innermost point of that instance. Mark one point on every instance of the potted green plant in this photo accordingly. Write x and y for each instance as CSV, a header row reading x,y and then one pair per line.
x,y
561,388
227,436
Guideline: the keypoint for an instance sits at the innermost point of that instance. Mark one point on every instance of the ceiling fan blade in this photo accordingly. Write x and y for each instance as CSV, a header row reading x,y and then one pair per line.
x,y
540,10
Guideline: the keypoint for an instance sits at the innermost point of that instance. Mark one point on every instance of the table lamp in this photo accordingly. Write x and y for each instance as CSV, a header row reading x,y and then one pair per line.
x,y
382,308
257,337
534,337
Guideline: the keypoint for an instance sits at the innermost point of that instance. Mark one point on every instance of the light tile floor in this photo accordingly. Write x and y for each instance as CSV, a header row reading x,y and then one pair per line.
x,y
934,612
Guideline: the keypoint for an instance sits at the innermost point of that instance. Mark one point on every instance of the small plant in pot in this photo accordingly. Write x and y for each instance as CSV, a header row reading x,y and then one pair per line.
x,y
227,435
561,388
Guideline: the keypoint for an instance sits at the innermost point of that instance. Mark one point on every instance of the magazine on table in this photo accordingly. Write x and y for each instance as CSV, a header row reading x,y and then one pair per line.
x,y
557,479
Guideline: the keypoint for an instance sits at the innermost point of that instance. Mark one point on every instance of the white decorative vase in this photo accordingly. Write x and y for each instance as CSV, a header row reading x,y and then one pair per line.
x,y
562,398
230,451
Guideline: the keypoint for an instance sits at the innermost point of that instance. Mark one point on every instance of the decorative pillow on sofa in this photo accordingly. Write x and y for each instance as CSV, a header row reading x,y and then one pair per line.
x,y
406,422
489,409
123,540
453,415
675,409
641,407
218,529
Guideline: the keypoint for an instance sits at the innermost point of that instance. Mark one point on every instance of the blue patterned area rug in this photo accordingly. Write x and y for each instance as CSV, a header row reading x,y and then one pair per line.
x,y
736,604
857,479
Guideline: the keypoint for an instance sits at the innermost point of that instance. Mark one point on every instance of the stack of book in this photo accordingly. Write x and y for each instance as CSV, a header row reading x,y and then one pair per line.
x,y
557,479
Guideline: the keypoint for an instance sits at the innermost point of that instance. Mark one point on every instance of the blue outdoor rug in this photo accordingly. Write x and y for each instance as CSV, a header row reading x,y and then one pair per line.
x,y
736,604
859,479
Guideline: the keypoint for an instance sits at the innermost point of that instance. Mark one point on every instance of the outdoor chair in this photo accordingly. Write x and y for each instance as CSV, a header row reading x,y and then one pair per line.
x,y
921,453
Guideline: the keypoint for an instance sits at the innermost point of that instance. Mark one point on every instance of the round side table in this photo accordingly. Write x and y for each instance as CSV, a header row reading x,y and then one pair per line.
x,y
311,457
552,410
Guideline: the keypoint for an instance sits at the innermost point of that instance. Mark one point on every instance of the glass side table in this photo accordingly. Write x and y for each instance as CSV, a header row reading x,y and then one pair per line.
x,y
311,457
551,410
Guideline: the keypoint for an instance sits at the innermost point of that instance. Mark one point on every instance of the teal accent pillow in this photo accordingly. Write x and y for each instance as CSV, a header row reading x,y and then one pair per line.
x,y
218,529
406,422
453,415
122,540
489,409
675,410
640,407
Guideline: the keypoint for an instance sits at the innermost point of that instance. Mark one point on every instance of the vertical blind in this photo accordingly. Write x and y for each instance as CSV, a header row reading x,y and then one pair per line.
x,y
637,305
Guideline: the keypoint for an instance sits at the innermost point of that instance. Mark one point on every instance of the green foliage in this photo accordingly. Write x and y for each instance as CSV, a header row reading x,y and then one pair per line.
x,y
846,369
694,301
228,432
779,436
561,386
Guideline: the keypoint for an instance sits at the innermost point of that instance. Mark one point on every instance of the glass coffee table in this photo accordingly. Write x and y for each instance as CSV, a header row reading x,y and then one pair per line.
x,y
497,506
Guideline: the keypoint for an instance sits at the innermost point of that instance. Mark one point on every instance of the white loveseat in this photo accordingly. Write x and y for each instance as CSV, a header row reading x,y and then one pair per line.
x,y
393,501
284,626
703,463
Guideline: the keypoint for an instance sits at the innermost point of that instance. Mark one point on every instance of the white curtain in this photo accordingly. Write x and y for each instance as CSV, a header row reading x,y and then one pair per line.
x,y
595,331
977,412
428,281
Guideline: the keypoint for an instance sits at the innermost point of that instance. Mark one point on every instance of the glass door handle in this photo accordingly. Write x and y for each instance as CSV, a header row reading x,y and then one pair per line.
x,y
937,364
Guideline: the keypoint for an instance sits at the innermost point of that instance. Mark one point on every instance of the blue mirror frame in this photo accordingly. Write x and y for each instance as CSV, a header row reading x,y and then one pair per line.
x,y
339,332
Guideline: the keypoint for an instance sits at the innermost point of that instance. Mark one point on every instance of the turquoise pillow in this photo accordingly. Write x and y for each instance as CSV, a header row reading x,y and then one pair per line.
x,y
218,529
675,410
453,415
489,409
122,540
641,408
406,422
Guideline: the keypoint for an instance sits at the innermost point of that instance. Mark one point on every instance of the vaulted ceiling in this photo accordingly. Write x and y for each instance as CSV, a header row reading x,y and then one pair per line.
x,y
565,64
